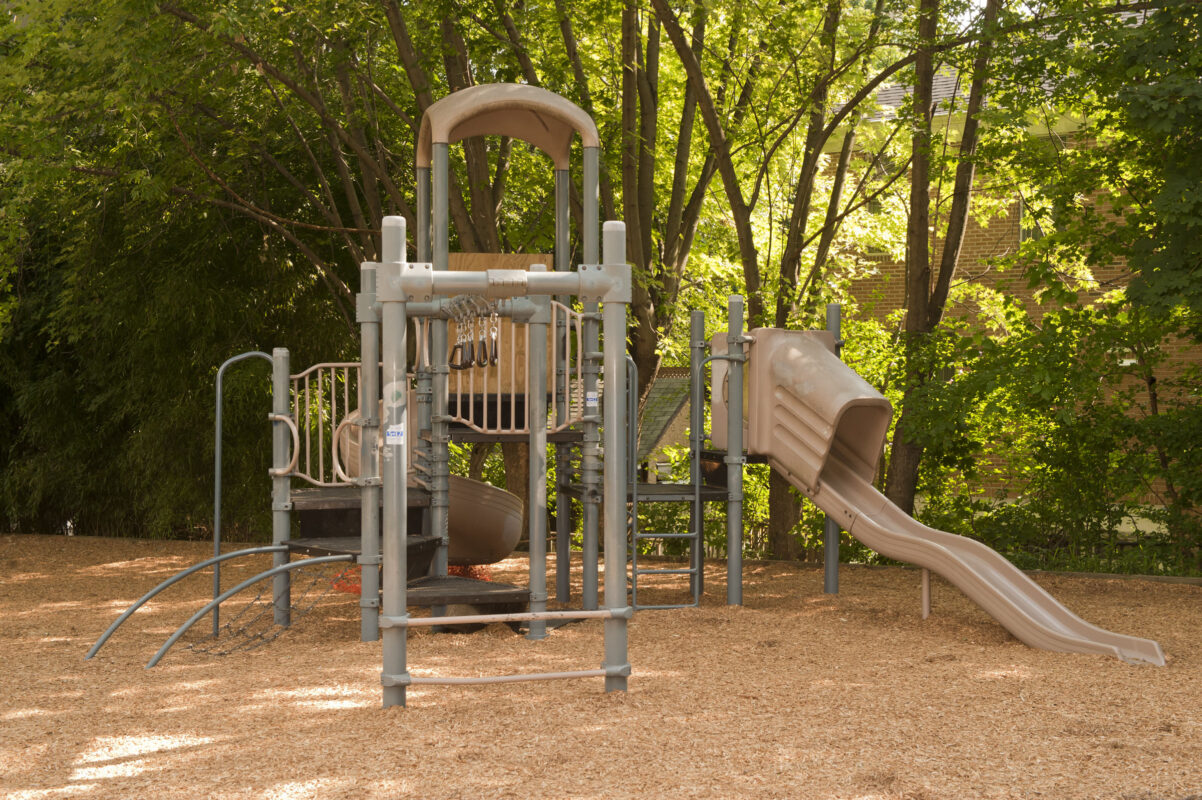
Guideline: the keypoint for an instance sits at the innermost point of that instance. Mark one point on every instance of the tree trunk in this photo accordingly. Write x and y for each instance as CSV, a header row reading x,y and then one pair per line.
x,y
901,482
784,512
905,457
517,475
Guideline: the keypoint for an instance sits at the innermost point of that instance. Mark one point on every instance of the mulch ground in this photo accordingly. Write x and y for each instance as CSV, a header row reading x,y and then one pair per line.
x,y
795,695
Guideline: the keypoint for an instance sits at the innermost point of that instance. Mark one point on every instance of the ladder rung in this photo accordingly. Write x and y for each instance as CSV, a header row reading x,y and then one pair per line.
x,y
665,536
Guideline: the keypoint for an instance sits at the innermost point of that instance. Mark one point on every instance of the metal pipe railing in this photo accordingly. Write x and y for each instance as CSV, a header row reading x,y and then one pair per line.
x,y
273,573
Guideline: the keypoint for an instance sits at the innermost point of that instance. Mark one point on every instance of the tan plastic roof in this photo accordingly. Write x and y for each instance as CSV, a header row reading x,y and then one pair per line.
x,y
542,118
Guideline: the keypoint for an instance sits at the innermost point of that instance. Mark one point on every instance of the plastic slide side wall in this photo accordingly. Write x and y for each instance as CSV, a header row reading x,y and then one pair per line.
x,y
821,425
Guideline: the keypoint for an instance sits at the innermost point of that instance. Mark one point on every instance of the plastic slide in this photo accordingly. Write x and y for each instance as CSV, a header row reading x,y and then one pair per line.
x,y
484,523
823,427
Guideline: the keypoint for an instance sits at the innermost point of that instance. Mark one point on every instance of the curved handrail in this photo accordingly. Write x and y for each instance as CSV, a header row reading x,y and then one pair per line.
x,y
285,471
226,595
275,548
336,446
229,362
325,365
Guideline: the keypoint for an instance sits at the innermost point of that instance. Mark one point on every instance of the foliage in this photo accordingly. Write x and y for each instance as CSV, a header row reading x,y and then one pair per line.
x,y
1095,426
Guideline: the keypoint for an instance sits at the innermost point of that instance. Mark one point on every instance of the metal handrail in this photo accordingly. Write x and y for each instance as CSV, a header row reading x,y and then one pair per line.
x,y
217,471
226,595
282,472
335,447
275,548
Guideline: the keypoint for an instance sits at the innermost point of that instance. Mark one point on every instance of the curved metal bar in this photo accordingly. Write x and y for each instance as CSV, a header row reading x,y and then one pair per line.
x,y
176,579
335,447
285,471
217,472
226,595
325,365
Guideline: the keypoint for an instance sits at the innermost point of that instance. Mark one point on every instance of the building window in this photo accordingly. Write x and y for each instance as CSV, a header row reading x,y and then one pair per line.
x,y
1029,228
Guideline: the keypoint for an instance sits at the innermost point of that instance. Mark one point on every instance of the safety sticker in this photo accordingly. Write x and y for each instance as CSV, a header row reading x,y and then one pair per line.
x,y
590,399
394,435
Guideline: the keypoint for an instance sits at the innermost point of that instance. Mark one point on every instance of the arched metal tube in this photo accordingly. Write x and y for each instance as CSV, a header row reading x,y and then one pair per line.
x,y
226,595
229,362
173,580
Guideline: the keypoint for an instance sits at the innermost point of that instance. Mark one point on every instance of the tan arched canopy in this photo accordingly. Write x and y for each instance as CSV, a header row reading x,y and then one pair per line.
x,y
535,115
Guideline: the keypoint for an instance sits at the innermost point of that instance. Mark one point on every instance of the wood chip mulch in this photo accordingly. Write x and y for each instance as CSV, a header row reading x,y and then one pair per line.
x,y
795,695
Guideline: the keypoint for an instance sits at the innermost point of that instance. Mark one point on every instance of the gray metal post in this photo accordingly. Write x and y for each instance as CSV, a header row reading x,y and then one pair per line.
x,y
281,500
422,236
217,481
590,448
394,470
734,456
536,409
697,354
423,435
369,403
830,529
616,664
563,504
439,428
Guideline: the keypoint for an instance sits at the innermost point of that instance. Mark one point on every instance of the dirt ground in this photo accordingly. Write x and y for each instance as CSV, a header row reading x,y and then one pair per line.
x,y
795,695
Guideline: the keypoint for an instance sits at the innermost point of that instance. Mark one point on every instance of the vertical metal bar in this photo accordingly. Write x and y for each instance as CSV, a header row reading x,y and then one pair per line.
x,y
308,430
632,476
590,448
439,466
589,199
321,434
536,406
616,663
369,467
926,593
734,456
563,504
830,528
697,353
281,501
423,215
394,470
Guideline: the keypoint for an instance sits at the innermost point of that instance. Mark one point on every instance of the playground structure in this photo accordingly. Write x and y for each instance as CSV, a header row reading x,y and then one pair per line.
x,y
530,366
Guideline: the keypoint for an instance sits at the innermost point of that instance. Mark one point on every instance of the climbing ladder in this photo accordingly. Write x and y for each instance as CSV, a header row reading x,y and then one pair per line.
x,y
695,492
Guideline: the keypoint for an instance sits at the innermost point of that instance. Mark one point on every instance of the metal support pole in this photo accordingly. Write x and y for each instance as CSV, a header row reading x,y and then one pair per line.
x,y
422,236
563,504
394,470
734,455
439,429
281,500
926,593
217,481
616,665
590,464
536,408
697,354
590,448
392,248
830,530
